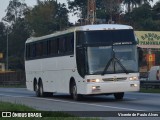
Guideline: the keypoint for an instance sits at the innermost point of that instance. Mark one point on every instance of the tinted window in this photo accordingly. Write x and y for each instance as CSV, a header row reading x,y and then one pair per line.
x,y
106,36
44,48
39,49
53,47
57,46
32,50
62,46
27,51
70,43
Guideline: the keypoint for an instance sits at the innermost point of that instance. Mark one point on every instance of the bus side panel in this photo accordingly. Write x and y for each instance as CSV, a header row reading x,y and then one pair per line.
x,y
49,75
33,71
55,73
65,70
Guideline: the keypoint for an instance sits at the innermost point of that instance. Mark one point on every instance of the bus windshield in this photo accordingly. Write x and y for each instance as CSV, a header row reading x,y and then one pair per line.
x,y
96,49
100,56
107,37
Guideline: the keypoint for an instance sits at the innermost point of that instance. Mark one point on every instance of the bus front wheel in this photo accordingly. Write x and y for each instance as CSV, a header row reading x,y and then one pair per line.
x,y
119,96
75,96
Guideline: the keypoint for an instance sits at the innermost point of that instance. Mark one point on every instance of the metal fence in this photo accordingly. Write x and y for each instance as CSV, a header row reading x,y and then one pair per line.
x,y
150,84
12,79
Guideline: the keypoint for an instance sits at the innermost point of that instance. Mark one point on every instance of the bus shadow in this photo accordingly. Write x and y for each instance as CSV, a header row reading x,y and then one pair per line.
x,y
90,99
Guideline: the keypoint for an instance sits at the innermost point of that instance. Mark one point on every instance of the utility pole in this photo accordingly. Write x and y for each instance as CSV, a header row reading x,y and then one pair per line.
x,y
91,15
7,51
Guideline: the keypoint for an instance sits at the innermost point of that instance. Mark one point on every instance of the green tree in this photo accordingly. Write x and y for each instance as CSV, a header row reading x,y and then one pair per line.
x,y
78,7
135,17
134,3
105,9
17,31
131,3
141,18
2,37
17,38
145,1
47,17
112,8
156,11
15,10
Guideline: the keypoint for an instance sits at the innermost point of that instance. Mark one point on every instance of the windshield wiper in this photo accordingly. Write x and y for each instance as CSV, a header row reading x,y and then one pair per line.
x,y
114,60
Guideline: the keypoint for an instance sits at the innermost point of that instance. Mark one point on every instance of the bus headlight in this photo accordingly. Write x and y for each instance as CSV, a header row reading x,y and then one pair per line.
x,y
93,80
133,78
95,88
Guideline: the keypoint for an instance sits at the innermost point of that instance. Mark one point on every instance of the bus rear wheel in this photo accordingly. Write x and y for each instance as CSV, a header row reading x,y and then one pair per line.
x,y
119,96
74,94
36,87
42,93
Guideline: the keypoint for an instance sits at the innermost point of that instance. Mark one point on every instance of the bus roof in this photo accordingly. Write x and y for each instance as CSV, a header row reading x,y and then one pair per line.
x,y
82,28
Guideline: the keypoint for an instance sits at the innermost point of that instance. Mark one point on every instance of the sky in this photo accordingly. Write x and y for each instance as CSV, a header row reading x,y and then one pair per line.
x,y
4,4
31,3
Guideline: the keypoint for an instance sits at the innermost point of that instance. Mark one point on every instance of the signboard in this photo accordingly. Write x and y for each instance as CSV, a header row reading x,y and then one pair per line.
x,y
1,55
148,39
150,57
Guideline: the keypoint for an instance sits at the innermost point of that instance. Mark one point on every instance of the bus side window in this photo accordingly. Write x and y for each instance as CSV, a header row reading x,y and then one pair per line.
x,y
44,47
39,49
32,51
62,46
27,51
49,47
70,43
53,47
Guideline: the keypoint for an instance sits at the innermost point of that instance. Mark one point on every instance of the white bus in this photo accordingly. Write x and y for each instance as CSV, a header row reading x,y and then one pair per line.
x,y
85,60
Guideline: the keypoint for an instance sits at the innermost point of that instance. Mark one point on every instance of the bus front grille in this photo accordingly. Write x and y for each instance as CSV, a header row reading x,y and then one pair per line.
x,y
114,79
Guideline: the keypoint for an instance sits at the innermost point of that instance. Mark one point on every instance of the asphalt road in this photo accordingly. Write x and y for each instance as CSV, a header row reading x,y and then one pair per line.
x,y
133,101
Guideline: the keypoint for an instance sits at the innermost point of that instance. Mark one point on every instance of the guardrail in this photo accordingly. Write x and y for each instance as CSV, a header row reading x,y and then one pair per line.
x,y
12,79
150,84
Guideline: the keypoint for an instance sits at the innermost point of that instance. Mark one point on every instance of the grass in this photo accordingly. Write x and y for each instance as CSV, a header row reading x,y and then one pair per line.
x,y
5,106
150,90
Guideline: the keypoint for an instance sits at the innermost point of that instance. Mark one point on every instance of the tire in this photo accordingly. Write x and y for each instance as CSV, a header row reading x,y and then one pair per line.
x,y
47,94
119,96
41,93
36,87
76,97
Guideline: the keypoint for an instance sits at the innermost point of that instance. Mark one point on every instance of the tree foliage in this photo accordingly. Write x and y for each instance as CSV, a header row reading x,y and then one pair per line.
x,y
105,9
42,19
156,11
17,37
134,3
17,31
77,6
143,18
47,17
15,10
2,37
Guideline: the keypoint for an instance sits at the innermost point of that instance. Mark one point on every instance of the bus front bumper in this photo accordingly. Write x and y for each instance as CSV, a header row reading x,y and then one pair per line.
x,y
112,87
